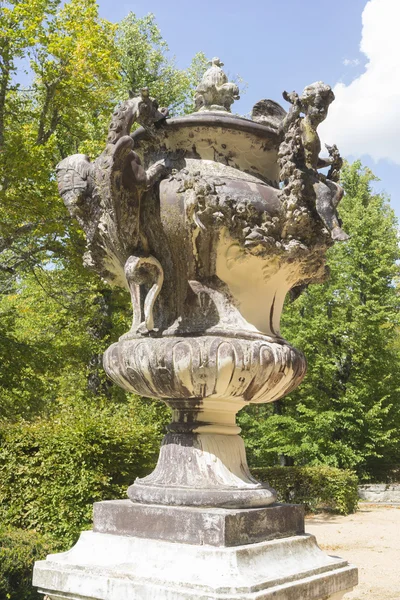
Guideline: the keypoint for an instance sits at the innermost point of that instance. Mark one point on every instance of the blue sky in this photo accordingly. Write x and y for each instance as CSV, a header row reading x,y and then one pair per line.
x,y
276,45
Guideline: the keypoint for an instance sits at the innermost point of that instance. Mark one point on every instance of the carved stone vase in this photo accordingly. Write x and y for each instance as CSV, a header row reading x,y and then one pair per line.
x,y
209,220
189,215
220,349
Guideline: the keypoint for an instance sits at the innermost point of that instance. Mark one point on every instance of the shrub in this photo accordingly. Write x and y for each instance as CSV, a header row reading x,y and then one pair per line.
x,y
18,551
318,488
52,470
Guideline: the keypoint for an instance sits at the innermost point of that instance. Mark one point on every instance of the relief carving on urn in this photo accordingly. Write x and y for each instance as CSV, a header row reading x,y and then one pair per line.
x,y
208,220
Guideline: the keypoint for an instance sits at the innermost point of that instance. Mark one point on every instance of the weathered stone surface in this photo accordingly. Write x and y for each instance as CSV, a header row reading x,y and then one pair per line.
x,y
208,469
380,492
110,567
214,368
202,526
202,460
215,92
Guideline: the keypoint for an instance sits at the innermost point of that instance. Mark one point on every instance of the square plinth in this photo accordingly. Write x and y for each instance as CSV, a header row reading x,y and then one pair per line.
x,y
198,526
104,566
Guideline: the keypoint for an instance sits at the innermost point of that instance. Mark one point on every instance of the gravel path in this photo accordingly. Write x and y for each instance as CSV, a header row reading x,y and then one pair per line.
x,y
369,539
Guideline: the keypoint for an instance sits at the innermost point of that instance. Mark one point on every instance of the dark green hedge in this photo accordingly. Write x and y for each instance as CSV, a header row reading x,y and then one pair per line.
x,y
52,470
325,488
18,551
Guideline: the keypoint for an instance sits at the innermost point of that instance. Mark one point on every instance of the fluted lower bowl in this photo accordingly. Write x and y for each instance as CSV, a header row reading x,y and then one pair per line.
x,y
258,369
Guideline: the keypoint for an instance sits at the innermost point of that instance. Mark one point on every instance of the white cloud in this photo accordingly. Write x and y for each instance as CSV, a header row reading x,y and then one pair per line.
x,y
365,117
351,62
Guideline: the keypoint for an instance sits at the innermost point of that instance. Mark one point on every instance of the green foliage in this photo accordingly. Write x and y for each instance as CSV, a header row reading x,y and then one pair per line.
x,y
51,471
56,326
317,488
80,66
144,60
346,413
56,318
18,551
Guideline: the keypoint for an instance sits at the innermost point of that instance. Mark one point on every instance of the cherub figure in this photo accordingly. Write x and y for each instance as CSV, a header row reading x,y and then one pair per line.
x,y
314,103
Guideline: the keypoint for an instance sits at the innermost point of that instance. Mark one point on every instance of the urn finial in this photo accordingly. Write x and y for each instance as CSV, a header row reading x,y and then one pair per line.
x,y
215,92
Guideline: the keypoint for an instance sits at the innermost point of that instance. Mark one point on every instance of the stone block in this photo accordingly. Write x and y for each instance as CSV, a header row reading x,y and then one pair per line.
x,y
202,526
105,566
380,492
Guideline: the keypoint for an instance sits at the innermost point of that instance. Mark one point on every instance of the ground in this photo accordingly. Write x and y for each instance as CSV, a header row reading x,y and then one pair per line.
x,y
369,539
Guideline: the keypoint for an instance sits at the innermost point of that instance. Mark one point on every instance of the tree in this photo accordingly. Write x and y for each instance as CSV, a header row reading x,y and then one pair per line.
x,y
72,79
346,412
79,67
143,56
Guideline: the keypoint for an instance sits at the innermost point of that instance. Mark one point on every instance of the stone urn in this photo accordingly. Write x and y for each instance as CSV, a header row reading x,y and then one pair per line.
x,y
217,293
188,214
209,220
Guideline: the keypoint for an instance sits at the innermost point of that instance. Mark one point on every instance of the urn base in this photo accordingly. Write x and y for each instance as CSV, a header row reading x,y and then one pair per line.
x,y
220,527
149,552
202,469
104,566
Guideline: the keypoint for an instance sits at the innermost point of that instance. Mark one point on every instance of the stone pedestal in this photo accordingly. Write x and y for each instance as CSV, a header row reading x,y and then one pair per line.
x,y
150,552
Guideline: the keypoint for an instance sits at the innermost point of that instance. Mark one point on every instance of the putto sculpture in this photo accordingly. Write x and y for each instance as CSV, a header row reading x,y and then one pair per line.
x,y
208,220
